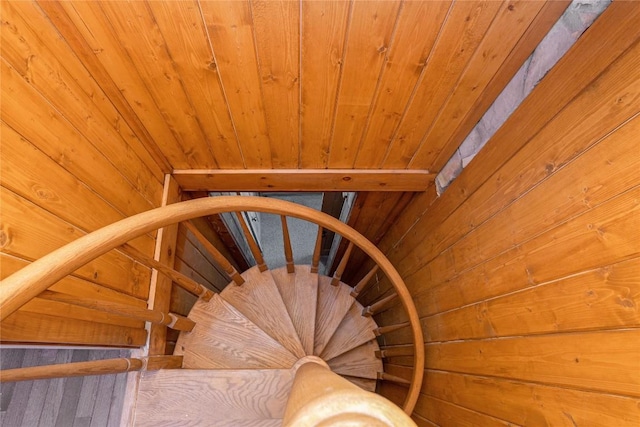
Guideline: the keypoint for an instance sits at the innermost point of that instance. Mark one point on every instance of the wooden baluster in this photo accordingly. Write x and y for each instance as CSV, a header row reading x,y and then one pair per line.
x,y
315,261
386,329
343,264
255,250
401,350
180,279
377,307
288,252
215,253
93,367
364,283
174,321
388,377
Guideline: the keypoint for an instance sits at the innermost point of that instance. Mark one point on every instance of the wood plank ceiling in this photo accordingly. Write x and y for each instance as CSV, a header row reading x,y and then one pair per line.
x,y
285,84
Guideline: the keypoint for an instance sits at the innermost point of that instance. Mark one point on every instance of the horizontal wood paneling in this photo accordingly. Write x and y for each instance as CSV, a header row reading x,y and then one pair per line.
x,y
525,270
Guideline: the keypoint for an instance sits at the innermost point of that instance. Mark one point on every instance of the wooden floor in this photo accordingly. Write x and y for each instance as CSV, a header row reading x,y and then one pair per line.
x,y
67,402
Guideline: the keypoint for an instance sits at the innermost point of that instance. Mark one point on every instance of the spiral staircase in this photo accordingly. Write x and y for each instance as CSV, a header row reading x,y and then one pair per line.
x,y
277,347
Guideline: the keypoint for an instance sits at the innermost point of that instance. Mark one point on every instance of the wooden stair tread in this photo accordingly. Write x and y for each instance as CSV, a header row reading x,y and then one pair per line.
x,y
299,293
353,331
260,301
358,362
333,304
213,397
224,338
363,383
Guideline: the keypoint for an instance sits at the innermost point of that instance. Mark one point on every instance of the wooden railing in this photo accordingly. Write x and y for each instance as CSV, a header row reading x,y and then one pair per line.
x,y
35,279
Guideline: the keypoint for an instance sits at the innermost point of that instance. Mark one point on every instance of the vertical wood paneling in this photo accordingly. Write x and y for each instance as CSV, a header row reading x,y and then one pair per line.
x,y
139,35
461,35
324,24
418,27
370,31
231,31
277,33
186,37
514,17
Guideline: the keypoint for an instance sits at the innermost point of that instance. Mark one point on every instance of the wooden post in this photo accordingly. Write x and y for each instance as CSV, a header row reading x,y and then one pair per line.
x,y
342,266
171,320
93,367
255,250
388,377
180,279
385,329
316,252
363,284
377,307
215,253
321,397
288,252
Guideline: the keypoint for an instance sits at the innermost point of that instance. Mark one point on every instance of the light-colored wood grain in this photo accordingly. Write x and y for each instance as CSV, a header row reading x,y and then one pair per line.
x,y
186,39
163,258
225,339
333,304
35,328
417,29
31,116
277,35
512,20
299,293
231,34
353,331
522,403
358,362
598,361
363,383
460,36
230,395
259,300
56,51
370,32
55,189
324,26
303,180
30,232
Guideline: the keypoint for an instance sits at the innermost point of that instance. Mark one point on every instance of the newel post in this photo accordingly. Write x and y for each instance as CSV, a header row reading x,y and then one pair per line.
x,y
320,397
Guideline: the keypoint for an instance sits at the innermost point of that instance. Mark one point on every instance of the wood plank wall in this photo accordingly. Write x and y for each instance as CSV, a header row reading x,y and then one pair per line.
x,y
526,271
70,164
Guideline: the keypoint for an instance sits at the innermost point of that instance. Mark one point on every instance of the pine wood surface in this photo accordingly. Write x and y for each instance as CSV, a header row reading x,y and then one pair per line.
x,y
224,338
525,403
299,293
259,300
353,330
167,397
333,304
359,362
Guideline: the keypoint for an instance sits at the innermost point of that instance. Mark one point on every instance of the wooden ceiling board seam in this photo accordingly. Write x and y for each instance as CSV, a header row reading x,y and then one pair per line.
x,y
184,32
365,55
334,119
111,58
408,55
152,60
278,61
80,48
461,35
530,39
376,92
322,53
514,18
21,46
231,31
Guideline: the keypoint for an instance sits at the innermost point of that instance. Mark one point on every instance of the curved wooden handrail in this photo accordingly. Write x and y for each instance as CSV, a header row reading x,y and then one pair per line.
x,y
27,283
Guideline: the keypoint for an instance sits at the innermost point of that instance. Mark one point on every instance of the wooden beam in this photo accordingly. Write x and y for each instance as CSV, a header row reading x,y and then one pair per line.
x,y
303,180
